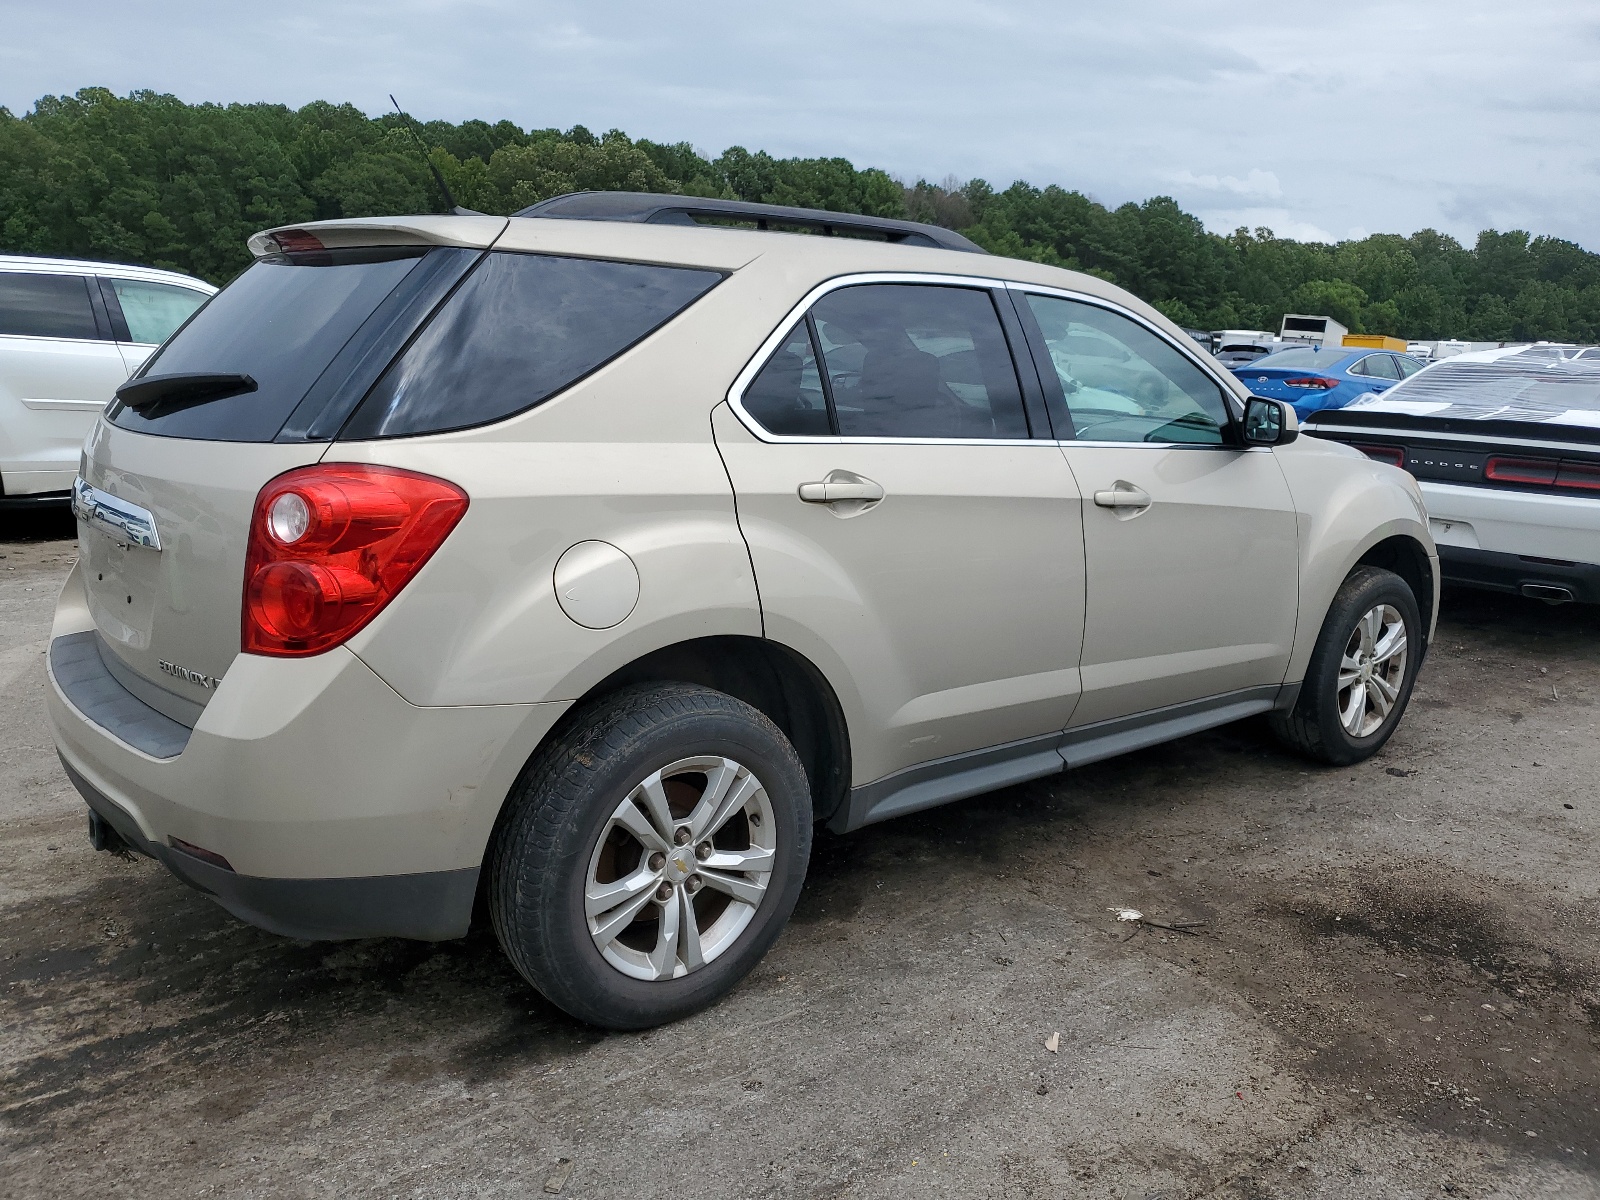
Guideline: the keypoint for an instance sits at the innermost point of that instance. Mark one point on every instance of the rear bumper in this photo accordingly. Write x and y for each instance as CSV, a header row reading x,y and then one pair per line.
x,y
429,906
343,810
1540,578
1501,521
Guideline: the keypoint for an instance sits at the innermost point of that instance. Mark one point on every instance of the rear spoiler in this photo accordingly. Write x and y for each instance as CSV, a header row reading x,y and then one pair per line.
x,y
1333,422
473,233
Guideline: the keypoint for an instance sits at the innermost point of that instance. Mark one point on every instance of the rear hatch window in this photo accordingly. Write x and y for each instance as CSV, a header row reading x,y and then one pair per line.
x,y
291,322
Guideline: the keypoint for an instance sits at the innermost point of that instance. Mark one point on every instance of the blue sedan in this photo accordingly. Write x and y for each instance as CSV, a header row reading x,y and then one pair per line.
x,y
1314,378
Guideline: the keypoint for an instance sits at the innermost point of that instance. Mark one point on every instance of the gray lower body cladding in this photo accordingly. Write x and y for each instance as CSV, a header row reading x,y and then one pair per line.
x,y
431,906
961,775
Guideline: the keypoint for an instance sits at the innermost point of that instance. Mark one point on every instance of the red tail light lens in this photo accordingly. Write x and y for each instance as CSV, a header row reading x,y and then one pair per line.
x,y
1538,471
1395,456
331,545
1579,475
1312,381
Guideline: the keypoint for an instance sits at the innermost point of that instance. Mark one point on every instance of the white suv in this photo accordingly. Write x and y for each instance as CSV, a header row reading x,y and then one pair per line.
x,y
581,561
70,332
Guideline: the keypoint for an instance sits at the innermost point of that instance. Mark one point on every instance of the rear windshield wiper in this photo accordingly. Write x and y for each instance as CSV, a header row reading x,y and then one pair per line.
x,y
181,390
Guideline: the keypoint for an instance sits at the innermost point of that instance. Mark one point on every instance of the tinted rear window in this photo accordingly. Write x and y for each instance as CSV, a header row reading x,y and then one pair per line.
x,y
281,323
45,306
521,328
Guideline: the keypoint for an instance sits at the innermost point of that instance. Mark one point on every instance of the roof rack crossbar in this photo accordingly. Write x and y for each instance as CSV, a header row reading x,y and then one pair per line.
x,y
657,209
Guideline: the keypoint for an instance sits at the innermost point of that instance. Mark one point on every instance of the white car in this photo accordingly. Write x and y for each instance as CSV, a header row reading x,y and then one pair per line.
x,y
1505,444
70,332
582,560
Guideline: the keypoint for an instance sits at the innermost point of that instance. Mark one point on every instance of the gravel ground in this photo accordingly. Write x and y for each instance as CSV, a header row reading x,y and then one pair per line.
x,y
1395,991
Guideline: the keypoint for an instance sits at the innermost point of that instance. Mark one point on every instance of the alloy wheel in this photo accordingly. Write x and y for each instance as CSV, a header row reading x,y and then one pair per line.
x,y
680,868
1372,670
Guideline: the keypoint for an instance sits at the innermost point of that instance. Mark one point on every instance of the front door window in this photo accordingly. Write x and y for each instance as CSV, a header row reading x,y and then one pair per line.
x,y
1122,383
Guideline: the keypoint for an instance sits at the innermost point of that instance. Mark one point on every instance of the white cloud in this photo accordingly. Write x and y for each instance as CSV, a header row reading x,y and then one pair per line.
x,y
1280,220
1257,184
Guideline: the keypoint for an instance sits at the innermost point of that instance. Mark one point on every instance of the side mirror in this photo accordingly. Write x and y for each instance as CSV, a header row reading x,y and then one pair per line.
x,y
1269,423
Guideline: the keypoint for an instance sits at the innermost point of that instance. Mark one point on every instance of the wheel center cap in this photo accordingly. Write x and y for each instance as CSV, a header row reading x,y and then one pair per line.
x,y
680,865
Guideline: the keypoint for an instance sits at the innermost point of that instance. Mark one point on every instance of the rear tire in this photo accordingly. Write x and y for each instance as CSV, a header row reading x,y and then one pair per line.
x,y
650,855
1361,672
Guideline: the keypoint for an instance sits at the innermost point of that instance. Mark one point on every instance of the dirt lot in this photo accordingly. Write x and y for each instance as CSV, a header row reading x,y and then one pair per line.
x,y
1396,991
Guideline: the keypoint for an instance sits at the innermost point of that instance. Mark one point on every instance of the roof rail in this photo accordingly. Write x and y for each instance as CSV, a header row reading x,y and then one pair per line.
x,y
654,209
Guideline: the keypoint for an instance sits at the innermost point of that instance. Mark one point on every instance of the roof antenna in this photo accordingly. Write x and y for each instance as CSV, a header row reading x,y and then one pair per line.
x,y
444,189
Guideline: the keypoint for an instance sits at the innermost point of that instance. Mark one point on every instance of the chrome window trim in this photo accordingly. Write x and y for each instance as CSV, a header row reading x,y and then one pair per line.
x,y
797,314
67,341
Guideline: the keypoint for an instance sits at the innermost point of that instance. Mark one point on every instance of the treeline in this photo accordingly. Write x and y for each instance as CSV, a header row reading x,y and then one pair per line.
x,y
147,178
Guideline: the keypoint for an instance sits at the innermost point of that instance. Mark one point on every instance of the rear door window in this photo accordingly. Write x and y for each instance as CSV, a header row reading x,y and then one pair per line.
x,y
918,361
153,310
786,398
521,328
46,306
1378,366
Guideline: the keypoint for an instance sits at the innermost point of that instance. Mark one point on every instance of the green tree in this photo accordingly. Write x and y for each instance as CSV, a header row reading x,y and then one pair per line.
x,y
147,178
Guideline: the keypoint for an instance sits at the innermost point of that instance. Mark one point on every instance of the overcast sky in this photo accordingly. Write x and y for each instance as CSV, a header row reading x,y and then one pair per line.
x,y
1323,121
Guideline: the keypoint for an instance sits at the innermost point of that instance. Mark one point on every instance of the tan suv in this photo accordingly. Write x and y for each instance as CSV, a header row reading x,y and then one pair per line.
x,y
583,560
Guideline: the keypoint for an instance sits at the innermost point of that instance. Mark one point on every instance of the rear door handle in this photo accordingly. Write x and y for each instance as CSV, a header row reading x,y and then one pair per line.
x,y
832,491
1123,495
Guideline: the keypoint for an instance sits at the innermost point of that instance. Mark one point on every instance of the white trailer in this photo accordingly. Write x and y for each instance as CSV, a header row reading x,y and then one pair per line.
x,y
1312,331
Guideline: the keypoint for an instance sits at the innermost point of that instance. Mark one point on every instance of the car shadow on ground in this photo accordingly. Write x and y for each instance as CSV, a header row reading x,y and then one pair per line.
x,y
46,523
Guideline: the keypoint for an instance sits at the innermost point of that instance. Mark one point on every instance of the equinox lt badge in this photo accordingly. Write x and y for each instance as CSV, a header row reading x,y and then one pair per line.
x,y
188,676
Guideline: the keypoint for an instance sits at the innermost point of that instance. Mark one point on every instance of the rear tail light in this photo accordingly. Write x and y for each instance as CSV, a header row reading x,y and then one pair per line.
x,y
1579,475
1539,471
1544,472
1395,456
331,545
1312,381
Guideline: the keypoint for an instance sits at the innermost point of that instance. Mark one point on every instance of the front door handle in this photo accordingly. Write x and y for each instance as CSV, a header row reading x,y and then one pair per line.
x,y
1122,494
833,490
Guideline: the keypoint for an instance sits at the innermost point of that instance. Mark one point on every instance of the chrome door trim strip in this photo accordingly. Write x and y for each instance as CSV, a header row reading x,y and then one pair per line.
x,y
122,521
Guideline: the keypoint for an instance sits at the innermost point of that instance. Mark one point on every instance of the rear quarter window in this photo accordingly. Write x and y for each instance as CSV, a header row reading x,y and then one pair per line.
x,y
519,329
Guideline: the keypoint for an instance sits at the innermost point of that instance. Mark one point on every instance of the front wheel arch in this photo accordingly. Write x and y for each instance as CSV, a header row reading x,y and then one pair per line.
x,y
1407,558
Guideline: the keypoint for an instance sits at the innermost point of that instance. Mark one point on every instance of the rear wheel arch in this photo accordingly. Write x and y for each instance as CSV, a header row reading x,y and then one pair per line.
x,y
770,677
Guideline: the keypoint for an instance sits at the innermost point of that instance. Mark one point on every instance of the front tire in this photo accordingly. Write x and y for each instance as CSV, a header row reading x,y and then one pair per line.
x,y
1361,672
650,855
